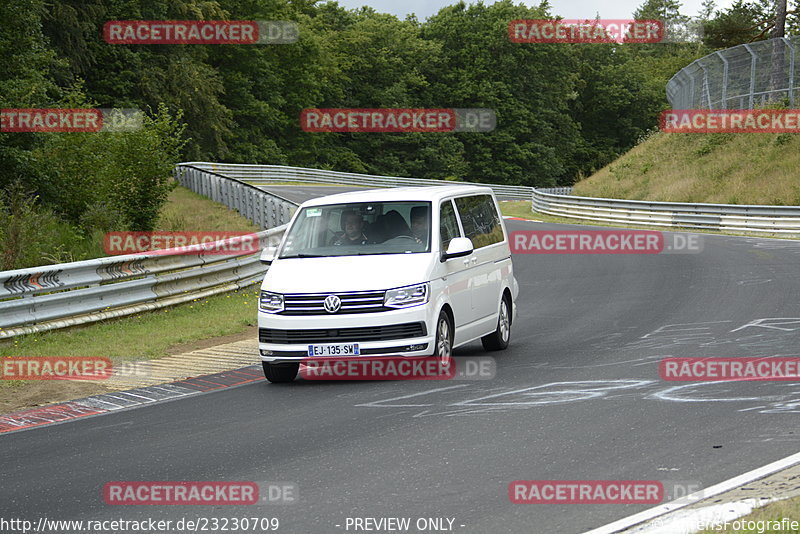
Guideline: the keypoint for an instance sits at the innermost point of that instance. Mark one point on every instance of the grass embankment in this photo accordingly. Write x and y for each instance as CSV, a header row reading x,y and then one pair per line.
x,y
714,168
186,211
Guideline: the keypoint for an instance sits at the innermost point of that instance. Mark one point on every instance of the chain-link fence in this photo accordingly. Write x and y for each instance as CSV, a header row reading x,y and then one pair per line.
x,y
743,77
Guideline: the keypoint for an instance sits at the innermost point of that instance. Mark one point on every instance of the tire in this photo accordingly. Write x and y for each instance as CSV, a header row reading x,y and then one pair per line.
x,y
279,373
498,340
443,342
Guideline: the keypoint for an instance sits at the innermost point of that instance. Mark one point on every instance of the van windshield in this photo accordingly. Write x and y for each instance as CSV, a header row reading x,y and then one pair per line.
x,y
364,228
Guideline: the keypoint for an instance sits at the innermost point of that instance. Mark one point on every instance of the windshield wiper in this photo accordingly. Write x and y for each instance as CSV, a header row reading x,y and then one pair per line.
x,y
384,253
302,256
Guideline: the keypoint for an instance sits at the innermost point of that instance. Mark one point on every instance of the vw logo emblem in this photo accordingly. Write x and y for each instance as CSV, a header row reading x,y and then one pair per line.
x,y
332,304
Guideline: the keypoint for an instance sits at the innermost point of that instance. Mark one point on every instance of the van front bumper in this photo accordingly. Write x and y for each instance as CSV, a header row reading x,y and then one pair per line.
x,y
404,332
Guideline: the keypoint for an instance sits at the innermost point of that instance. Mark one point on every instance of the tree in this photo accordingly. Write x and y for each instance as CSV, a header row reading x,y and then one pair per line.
x,y
780,20
25,81
750,21
531,88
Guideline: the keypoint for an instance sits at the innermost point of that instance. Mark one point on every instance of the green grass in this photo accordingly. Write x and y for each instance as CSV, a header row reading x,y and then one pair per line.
x,y
186,211
518,208
715,168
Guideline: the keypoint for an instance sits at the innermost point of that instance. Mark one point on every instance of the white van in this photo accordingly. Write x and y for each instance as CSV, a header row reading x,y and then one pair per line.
x,y
412,271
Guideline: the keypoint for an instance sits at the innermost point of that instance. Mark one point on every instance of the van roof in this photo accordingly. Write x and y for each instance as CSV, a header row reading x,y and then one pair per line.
x,y
431,193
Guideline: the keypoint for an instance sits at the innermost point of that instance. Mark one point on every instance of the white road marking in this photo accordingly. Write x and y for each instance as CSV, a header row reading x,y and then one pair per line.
x,y
380,403
760,323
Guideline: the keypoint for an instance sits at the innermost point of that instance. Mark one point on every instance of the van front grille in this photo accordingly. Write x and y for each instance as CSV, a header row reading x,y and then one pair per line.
x,y
355,302
342,335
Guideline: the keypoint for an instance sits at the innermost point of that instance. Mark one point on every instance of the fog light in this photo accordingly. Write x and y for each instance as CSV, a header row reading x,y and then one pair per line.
x,y
266,353
418,347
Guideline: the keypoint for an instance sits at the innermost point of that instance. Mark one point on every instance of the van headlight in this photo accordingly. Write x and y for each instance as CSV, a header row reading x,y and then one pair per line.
x,y
403,297
270,302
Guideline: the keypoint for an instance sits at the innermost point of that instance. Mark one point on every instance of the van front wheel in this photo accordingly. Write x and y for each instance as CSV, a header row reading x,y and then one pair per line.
x,y
498,340
443,348
280,372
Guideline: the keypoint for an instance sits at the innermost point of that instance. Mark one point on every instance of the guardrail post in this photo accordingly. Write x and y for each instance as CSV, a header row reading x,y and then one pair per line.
x,y
706,89
752,76
724,80
791,70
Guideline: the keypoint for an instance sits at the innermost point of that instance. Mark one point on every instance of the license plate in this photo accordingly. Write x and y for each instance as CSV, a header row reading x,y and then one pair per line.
x,y
334,349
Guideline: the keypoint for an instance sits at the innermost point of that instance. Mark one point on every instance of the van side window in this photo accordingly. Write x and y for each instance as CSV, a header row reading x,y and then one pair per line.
x,y
480,220
448,224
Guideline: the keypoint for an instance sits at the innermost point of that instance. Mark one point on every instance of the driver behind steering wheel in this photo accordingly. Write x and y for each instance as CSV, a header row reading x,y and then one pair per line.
x,y
353,228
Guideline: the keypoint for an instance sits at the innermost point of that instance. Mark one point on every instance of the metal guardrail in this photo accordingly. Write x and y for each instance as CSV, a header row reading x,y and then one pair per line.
x,y
265,209
784,220
265,174
741,77
69,294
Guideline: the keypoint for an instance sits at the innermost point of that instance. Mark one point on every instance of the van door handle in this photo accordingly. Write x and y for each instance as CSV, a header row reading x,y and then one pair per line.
x,y
474,260
466,262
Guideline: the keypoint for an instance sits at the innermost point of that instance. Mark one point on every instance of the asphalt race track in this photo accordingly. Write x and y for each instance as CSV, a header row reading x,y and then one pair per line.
x,y
577,396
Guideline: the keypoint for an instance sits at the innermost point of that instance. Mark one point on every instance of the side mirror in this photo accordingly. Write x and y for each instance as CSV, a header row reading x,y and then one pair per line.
x,y
268,255
459,246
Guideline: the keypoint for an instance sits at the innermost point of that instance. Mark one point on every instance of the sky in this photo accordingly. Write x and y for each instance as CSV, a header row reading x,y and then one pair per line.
x,y
568,9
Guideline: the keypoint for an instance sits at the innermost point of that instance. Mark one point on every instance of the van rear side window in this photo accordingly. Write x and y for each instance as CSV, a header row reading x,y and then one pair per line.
x,y
480,220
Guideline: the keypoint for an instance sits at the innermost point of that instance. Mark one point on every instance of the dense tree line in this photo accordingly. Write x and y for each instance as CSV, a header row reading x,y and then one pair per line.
x,y
242,103
563,111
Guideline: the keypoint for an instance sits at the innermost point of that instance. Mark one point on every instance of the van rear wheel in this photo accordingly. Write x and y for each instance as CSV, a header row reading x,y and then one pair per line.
x,y
498,340
279,373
